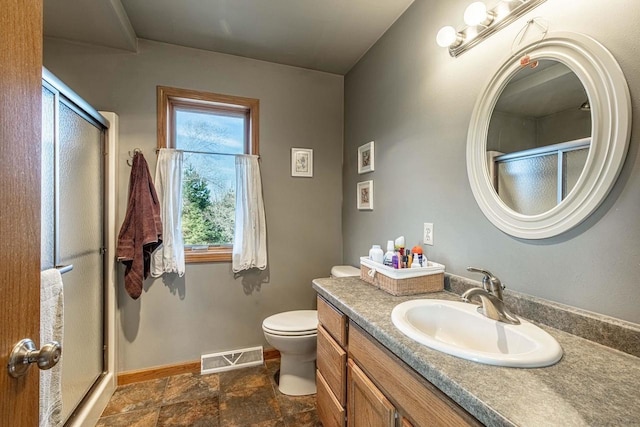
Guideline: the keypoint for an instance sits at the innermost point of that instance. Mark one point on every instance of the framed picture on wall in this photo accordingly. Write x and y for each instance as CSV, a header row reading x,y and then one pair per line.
x,y
366,158
302,162
365,195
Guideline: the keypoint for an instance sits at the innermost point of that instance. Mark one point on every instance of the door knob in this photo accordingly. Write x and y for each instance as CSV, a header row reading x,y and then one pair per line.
x,y
24,354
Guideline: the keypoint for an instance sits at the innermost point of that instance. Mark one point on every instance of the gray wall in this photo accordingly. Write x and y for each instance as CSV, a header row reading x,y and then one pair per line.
x,y
208,310
508,133
564,126
416,101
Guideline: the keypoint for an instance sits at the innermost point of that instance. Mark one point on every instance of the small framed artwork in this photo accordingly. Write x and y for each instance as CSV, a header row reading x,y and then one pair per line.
x,y
302,162
366,158
365,196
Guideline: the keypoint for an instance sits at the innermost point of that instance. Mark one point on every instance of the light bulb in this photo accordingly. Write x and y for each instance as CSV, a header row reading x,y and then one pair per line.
x,y
446,36
476,14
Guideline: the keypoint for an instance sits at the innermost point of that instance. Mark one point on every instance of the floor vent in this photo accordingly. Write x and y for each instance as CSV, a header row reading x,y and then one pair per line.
x,y
233,359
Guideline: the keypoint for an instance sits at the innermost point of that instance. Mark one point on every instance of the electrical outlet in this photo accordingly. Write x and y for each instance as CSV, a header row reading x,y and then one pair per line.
x,y
428,233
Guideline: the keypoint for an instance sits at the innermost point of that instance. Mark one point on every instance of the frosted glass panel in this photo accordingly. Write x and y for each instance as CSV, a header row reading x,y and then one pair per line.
x,y
574,162
80,185
529,186
48,180
82,360
80,241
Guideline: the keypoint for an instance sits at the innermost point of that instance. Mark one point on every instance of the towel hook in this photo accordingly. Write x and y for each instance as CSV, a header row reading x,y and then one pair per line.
x,y
132,155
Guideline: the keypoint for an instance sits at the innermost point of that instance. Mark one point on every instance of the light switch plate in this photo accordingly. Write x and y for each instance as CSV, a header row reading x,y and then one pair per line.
x,y
428,233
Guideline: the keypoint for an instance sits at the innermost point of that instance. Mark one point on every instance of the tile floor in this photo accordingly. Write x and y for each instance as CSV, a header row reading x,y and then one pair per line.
x,y
240,398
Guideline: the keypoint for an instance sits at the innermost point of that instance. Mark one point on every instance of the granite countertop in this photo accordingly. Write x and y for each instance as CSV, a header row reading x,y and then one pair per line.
x,y
592,385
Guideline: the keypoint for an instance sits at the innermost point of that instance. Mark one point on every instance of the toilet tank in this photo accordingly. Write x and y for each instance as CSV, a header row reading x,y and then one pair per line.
x,y
344,271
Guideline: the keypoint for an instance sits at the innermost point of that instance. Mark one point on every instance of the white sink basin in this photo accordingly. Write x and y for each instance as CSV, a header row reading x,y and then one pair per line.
x,y
456,328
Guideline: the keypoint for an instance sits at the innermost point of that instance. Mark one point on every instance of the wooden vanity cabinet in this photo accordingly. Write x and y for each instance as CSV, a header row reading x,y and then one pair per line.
x,y
362,384
418,402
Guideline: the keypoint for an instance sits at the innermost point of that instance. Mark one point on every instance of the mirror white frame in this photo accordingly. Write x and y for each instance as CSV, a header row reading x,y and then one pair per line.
x,y
610,101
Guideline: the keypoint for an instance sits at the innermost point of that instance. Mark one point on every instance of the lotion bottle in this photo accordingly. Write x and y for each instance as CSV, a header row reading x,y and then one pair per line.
x,y
388,256
376,254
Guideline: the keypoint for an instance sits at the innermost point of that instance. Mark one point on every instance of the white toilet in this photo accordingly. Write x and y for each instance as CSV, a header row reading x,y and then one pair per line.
x,y
294,335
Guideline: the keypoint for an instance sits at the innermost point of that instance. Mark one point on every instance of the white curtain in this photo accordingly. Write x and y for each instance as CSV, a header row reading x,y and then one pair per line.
x,y
250,239
169,257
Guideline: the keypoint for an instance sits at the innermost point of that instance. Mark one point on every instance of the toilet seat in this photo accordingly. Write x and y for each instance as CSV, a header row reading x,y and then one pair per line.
x,y
292,323
290,334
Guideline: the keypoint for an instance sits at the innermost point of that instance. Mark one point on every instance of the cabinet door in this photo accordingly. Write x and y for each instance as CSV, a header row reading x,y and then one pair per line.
x,y
367,406
405,422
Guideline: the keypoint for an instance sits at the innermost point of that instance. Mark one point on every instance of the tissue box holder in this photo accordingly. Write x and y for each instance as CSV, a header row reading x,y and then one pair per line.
x,y
404,281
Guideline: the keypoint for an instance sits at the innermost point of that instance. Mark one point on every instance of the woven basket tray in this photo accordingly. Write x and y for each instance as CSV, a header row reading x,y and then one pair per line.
x,y
409,286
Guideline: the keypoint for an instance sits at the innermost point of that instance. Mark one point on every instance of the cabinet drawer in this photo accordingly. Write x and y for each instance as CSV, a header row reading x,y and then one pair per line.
x,y
415,397
333,321
331,362
330,412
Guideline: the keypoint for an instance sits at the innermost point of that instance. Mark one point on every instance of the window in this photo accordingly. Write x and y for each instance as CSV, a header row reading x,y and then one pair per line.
x,y
209,128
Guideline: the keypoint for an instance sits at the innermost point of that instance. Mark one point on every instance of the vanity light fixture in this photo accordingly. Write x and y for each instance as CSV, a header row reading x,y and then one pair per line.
x,y
481,22
448,37
477,14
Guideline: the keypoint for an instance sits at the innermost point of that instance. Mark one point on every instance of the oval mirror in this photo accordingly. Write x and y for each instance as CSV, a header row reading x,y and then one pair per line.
x,y
547,140
539,137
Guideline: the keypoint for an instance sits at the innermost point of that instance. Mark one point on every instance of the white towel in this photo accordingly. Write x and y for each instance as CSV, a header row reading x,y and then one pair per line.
x,y
51,322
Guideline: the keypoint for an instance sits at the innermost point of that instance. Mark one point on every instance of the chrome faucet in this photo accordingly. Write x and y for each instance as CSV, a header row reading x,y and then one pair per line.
x,y
490,295
490,283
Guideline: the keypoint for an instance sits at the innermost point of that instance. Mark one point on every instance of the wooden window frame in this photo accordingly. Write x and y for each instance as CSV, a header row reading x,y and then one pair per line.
x,y
168,98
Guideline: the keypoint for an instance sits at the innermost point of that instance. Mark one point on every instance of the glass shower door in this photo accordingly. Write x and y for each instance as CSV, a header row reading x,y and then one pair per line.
x,y
80,242
73,206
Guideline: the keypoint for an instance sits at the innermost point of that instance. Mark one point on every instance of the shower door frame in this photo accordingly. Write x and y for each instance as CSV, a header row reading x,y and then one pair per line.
x,y
89,408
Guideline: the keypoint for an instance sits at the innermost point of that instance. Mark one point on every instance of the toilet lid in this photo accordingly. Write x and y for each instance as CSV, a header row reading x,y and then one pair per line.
x,y
299,322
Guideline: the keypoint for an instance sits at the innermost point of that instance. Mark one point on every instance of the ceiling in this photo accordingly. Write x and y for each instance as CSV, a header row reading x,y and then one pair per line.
x,y
324,35
549,88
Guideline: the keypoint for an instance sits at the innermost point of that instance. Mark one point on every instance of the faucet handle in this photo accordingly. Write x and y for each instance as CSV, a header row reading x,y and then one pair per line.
x,y
495,286
486,279
481,271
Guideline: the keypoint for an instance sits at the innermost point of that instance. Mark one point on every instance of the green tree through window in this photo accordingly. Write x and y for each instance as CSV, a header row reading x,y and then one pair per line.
x,y
205,220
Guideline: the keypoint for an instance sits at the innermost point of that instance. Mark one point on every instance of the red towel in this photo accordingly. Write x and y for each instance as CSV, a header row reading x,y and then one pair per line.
x,y
141,231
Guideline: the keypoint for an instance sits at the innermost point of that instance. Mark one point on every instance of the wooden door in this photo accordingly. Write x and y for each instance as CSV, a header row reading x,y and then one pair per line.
x,y
20,124
366,405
